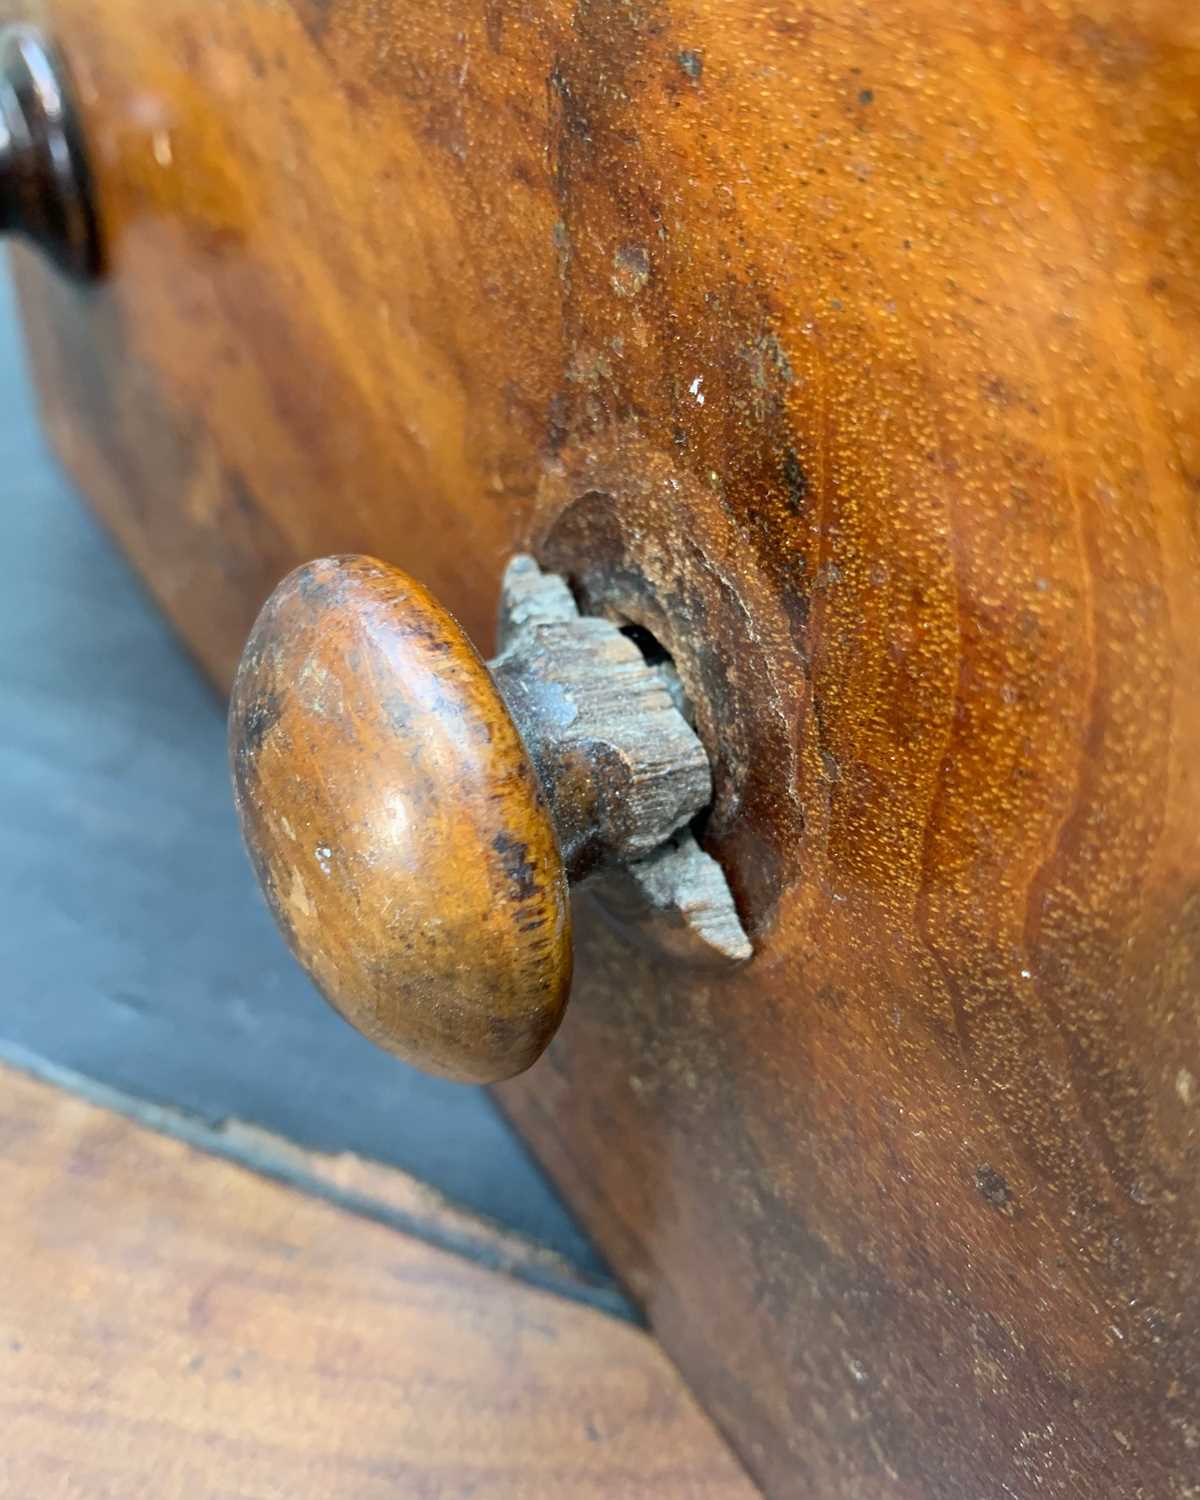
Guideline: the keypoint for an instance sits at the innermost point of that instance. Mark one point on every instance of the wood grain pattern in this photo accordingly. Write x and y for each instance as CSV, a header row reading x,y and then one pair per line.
x,y
172,1325
856,350
397,823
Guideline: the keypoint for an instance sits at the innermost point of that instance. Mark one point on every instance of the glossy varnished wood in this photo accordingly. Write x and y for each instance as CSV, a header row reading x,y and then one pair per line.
x,y
396,822
854,350
173,1325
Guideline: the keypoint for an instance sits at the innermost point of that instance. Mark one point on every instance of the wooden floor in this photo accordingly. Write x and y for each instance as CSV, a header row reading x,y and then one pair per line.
x,y
173,1325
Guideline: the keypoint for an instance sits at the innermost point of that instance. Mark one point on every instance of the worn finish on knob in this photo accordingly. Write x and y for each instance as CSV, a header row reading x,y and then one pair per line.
x,y
45,185
396,822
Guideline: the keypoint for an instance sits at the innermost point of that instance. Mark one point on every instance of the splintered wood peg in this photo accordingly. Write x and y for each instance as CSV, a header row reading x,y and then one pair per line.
x,y
414,816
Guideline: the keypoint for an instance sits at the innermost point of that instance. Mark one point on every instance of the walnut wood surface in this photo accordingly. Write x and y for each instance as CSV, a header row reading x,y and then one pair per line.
x,y
396,822
174,1326
854,349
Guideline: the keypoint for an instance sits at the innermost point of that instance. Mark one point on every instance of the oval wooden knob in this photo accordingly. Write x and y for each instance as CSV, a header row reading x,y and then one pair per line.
x,y
45,186
397,824
415,814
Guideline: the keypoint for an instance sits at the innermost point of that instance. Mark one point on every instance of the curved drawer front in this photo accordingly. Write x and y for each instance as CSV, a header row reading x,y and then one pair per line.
x,y
852,353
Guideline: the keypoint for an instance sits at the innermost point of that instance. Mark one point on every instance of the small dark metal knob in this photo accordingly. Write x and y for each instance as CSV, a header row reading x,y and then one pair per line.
x,y
45,186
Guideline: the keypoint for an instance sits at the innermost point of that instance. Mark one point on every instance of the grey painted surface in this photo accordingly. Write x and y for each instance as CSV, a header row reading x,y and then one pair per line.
x,y
134,948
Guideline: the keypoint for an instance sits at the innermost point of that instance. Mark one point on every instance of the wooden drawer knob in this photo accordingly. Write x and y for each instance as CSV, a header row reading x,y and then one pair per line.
x,y
414,816
45,187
